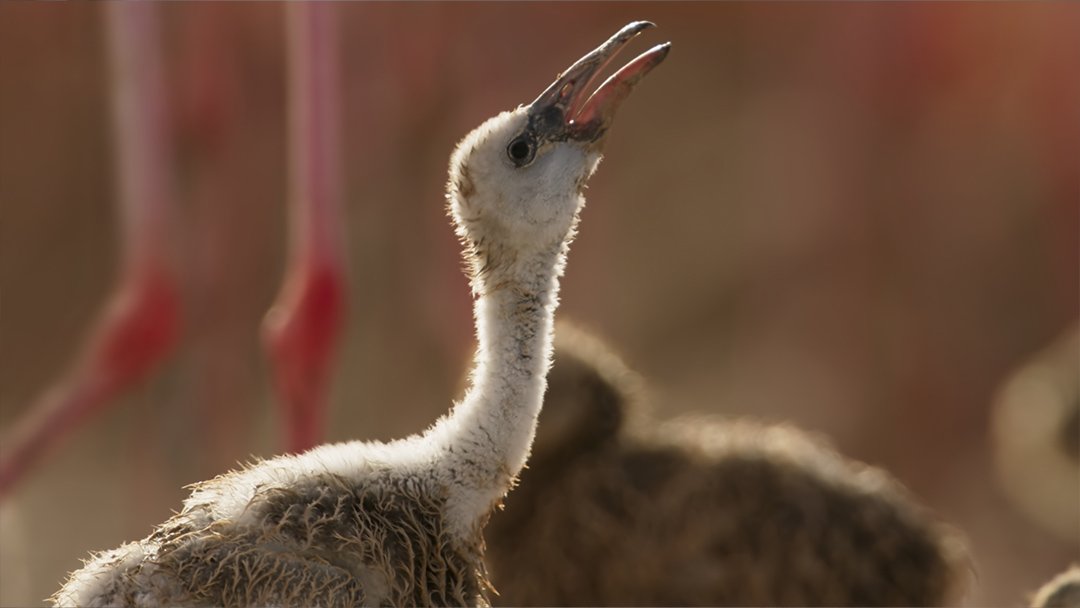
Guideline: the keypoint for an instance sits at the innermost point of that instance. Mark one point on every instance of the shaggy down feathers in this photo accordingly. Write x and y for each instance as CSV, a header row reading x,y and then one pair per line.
x,y
324,542
615,510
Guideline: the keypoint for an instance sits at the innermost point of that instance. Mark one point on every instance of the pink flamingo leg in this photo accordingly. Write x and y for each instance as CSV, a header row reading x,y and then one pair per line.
x,y
301,330
140,323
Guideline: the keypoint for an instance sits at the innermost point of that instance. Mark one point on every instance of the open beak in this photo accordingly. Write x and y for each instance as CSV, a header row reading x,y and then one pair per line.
x,y
571,109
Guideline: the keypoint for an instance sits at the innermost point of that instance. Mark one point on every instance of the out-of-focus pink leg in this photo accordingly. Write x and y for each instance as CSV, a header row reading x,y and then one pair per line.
x,y
140,322
302,329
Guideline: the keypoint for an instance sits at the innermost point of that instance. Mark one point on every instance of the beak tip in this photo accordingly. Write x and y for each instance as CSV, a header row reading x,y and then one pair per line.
x,y
632,29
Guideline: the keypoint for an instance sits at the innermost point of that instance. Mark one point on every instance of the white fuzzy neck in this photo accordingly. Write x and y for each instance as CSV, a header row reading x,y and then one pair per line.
x,y
486,439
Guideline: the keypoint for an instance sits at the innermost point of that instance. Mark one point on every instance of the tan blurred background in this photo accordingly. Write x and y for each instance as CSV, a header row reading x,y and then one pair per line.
x,y
858,218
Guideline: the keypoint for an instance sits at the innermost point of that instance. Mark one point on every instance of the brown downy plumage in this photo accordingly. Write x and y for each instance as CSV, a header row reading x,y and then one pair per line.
x,y
614,510
323,543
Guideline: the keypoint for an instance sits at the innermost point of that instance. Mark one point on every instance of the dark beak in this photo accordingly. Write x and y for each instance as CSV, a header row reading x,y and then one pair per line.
x,y
567,110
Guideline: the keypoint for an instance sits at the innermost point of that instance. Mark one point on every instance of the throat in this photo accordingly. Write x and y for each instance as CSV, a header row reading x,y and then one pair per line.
x,y
488,435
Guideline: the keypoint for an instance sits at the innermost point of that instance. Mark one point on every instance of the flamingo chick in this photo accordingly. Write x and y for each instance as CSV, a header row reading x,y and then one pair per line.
x,y
702,511
401,523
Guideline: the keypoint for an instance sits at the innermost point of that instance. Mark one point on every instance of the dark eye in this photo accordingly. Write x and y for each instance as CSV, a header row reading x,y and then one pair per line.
x,y
521,150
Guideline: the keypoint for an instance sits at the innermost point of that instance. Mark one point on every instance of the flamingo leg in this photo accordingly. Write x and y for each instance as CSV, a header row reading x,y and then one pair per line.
x,y
141,321
302,329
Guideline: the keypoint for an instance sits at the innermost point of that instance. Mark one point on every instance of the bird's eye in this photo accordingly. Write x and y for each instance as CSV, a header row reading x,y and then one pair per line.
x,y
521,150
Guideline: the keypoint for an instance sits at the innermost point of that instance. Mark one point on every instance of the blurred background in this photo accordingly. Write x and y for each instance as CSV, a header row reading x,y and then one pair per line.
x,y
860,218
